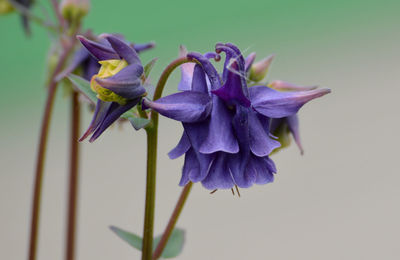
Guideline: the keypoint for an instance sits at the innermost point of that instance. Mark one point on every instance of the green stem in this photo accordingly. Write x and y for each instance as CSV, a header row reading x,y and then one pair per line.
x,y
172,221
147,247
152,133
41,153
73,178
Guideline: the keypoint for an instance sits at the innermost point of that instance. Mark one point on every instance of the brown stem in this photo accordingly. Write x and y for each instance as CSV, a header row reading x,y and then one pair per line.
x,y
57,11
41,153
73,178
172,221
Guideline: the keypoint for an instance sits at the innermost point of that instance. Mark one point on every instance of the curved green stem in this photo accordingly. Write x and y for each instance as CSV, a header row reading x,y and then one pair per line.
x,y
152,133
172,221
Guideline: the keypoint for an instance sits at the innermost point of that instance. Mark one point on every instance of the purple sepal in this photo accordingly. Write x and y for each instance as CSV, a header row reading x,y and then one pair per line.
x,y
261,144
275,104
98,50
186,71
98,116
182,147
122,49
186,106
139,47
293,124
114,112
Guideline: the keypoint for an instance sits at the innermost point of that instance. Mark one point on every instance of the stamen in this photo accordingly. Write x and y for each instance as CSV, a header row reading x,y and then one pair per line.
x,y
233,192
213,191
237,189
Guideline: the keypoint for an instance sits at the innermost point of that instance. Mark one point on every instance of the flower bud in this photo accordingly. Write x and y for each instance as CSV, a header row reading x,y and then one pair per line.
x,y
108,69
74,10
259,70
5,7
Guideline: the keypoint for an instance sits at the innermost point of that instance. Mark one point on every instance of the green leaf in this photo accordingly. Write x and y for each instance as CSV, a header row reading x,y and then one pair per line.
x,y
148,67
83,86
175,243
172,249
138,122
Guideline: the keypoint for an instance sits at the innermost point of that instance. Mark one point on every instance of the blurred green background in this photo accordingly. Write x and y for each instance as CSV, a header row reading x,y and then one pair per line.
x,y
339,201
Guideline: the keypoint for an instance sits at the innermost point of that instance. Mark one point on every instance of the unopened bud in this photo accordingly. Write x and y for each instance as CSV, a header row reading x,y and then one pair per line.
x,y
5,7
259,70
74,10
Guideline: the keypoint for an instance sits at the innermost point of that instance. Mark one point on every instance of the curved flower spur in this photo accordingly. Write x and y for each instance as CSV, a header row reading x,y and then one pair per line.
x,y
118,83
227,139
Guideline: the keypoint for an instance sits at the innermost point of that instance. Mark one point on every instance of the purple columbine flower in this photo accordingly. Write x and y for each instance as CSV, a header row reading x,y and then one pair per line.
x,y
118,83
226,139
89,64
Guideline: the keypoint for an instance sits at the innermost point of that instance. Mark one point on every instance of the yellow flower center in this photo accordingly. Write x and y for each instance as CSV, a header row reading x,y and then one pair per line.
x,y
108,68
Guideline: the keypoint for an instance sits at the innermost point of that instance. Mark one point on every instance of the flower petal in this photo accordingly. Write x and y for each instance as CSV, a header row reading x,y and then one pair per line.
x,y
287,86
139,47
219,176
199,82
190,166
220,133
261,144
186,106
208,68
182,147
79,57
275,104
113,113
264,167
100,112
293,124
97,50
123,50
239,170
186,71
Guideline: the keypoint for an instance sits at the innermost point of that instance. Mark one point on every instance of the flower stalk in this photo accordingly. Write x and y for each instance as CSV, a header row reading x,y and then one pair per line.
x,y
152,135
41,153
172,221
73,178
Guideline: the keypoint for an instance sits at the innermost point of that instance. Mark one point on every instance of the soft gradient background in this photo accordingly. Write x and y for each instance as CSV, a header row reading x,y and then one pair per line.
x,y
338,201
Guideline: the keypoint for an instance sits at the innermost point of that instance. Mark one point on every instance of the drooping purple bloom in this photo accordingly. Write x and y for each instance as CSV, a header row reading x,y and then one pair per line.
x,y
118,83
229,144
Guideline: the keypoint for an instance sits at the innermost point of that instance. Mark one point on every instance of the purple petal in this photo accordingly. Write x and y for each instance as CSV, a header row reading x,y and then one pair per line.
x,y
190,166
199,82
186,106
100,112
123,50
287,86
125,83
113,113
196,132
261,144
182,147
79,57
99,51
232,90
275,104
293,124
219,176
139,47
208,68
239,170
264,168
186,71
220,133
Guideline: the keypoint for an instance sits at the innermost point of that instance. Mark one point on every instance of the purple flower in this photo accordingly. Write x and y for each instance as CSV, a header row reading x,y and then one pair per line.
x,y
89,64
226,139
118,83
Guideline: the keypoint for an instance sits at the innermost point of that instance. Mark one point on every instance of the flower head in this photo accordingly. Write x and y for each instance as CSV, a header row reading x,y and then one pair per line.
x,y
118,82
227,139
